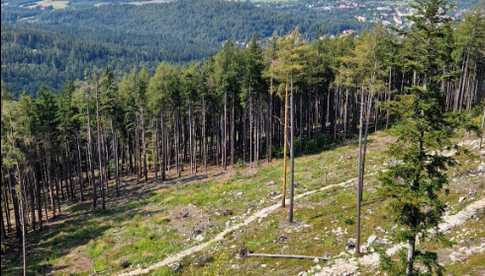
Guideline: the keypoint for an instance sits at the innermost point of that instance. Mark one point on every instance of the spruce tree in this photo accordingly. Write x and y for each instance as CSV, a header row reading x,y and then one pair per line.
x,y
414,183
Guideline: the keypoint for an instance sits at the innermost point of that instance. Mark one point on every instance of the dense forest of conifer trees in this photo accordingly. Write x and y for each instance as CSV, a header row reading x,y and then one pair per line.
x,y
237,107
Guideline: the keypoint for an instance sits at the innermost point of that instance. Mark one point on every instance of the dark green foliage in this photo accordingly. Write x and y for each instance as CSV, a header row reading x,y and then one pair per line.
x,y
65,45
32,58
416,180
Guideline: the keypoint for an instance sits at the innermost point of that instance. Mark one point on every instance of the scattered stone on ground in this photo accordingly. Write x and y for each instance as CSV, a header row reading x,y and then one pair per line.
x,y
189,220
203,260
346,264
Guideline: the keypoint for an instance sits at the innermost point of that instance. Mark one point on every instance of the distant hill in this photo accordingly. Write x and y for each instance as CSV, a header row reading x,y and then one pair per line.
x,y
72,37
33,57
63,44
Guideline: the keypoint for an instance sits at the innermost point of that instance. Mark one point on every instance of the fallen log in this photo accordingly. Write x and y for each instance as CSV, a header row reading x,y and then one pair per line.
x,y
245,253
286,256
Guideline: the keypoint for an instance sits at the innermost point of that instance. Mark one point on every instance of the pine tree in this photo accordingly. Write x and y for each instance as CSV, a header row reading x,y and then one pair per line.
x,y
414,183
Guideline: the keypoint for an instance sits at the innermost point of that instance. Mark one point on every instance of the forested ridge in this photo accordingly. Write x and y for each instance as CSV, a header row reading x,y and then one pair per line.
x,y
123,36
32,58
242,106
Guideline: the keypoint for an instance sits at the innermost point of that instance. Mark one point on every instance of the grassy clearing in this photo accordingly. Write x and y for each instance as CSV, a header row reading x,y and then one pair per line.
x,y
475,265
325,222
143,228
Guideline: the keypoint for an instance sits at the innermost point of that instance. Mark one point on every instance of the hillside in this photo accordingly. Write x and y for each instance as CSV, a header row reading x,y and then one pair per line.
x,y
154,220
124,34
128,35
340,155
32,58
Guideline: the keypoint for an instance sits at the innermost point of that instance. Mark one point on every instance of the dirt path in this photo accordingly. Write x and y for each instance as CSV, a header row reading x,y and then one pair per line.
x,y
219,237
350,265
177,257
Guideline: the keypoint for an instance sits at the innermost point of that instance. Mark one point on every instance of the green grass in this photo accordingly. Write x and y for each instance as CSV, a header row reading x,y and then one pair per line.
x,y
140,230
474,265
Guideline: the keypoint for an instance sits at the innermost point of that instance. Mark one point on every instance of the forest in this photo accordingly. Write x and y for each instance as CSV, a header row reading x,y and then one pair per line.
x,y
38,53
32,58
245,105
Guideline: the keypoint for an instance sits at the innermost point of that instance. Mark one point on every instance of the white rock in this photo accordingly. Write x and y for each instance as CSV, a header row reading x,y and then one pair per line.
x,y
380,229
199,238
456,257
371,239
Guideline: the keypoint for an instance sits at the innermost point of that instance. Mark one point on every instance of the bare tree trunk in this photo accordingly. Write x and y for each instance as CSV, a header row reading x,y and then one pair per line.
x,y
204,133
21,217
92,179
143,144
292,156
366,105
410,256
269,135
285,143
100,152
163,149
233,131
49,183
80,175
191,142
389,91
224,134
251,128
482,129
359,172
117,161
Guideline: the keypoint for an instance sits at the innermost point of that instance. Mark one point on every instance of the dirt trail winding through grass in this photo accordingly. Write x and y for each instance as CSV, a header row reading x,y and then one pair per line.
x,y
177,257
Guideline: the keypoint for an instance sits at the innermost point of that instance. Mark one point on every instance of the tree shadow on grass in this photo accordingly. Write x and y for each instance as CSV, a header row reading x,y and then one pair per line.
x,y
76,226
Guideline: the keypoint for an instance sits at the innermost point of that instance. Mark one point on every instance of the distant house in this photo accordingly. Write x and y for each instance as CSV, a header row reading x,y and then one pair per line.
x,y
361,18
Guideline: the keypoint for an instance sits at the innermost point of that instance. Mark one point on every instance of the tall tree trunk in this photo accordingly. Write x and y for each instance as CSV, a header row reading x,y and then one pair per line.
x,y
285,143
92,179
251,128
204,133
143,144
359,173
292,156
366,105
269,134
389,97
117,161
191,134
80,175
233,132
100,152
224,134
15,203
163,149
482,125
21,217
49,182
